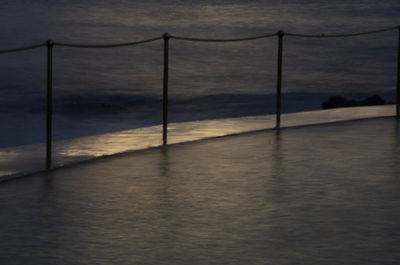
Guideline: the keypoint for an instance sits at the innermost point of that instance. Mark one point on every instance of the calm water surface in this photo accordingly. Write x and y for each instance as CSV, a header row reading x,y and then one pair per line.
x,y
315,195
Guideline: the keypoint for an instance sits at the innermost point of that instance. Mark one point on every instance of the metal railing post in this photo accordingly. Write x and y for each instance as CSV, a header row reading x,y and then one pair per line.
x,y
279,80
166,38
398,77
50,45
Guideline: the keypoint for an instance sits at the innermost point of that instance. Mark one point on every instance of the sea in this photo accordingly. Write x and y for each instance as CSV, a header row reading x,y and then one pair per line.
x,y
99,91
327,194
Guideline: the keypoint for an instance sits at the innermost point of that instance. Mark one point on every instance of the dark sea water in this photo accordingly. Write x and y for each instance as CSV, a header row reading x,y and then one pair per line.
x,y
207,80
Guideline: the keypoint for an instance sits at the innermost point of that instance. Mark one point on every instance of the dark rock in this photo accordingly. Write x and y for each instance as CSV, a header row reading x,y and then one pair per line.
x,y
342,102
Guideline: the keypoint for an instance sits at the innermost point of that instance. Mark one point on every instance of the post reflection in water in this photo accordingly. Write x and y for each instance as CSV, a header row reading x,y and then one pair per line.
x,y
396,149
277,156
164,162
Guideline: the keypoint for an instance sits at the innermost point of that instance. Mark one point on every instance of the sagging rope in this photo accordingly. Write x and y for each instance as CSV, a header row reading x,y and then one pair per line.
x,y
23,48
106,45
340,35
72,45
223,40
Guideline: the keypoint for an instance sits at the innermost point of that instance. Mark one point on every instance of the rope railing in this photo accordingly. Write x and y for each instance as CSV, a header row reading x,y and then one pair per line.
x,y
166,37
23,48
340,35
183,38
223,40
71,45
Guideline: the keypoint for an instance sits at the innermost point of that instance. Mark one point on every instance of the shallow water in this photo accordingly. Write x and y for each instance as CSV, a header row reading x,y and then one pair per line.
x,y
326,194
20,160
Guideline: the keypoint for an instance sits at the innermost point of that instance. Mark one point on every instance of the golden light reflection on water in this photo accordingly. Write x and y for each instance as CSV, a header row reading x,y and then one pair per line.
x,y
32,157
110,143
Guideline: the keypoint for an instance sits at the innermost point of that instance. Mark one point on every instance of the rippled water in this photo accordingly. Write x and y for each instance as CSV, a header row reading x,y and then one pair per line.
x,y
362,64
325,194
